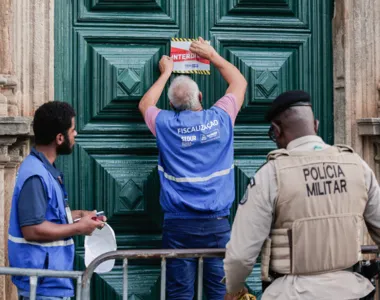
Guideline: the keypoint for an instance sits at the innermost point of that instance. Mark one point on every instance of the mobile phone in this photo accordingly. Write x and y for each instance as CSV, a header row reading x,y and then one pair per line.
x,y
100,213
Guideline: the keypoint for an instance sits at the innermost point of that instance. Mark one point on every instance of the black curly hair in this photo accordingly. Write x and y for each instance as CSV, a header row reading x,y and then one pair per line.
x,y
51,119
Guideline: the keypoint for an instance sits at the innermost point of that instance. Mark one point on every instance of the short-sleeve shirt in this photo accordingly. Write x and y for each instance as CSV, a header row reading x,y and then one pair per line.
x,y
32,202
227,103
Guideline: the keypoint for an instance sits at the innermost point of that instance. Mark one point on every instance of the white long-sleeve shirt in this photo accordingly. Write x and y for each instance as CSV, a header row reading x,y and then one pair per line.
x,y
252,226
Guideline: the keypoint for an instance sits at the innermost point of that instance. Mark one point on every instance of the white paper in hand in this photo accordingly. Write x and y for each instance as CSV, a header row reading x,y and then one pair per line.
x,y
101,241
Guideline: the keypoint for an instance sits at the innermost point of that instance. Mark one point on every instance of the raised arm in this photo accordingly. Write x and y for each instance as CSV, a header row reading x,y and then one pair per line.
x,y
237,84
153,94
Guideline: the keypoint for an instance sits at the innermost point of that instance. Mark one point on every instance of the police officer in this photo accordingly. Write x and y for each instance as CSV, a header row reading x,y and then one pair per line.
x,y
41,223
196,169
304,210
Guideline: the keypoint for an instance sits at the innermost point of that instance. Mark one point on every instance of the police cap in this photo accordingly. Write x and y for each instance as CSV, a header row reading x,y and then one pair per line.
x,y
286,100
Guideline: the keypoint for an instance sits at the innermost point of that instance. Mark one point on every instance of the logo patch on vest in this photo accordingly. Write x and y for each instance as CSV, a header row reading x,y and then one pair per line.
x,y
188,140
213,135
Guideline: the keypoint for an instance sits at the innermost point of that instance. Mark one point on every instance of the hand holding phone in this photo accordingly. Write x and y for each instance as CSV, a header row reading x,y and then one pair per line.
x,y
99,216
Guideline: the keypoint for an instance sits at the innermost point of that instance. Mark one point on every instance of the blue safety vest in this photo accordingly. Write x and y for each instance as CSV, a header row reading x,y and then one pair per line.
x,y
57,255
195,163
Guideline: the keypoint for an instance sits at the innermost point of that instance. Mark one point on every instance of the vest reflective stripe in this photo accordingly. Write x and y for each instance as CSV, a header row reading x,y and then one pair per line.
x,y
18,240
195,179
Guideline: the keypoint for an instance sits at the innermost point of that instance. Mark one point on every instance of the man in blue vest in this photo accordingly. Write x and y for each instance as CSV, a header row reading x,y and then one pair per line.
x,y
196,169
41,223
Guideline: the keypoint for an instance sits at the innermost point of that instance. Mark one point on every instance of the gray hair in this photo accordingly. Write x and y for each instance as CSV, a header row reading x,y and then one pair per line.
x,y
184,93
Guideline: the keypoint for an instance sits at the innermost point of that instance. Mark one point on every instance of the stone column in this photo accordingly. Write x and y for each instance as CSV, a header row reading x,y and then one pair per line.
x,y
26,55
6,18
16,152
14,141
356,42
26,82
12,149
4,159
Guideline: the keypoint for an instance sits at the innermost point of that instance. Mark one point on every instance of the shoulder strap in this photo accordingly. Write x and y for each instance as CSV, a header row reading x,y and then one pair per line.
x,y
277,153
344,148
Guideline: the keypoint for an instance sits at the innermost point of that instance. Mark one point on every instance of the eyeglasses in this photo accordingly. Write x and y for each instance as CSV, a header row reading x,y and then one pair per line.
x,y
271,134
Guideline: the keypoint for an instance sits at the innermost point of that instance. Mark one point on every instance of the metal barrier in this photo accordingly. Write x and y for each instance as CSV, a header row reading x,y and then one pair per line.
x,y
84,278
370,249
35,273
150,254
163,255
370,269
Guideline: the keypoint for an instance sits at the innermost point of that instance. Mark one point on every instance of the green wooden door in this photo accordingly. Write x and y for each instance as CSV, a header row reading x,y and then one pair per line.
x,y
106,55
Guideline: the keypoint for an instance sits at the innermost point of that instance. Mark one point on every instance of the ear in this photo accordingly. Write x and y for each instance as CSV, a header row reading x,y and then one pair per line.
x,y
276,129
59,139
316,125
200,97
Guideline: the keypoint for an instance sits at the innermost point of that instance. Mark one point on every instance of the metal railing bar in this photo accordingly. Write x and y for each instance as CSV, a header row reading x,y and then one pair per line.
x,y
163,279
79,288
39,272
369,249
125,279
33,287
200,278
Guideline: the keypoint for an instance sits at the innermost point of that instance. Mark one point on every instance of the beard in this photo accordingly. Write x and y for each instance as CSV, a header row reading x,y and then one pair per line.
x,y
65,148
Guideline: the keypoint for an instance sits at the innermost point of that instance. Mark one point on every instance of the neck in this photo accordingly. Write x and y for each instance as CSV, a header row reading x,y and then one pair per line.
x,y
303,135
198,108
297,136
49,152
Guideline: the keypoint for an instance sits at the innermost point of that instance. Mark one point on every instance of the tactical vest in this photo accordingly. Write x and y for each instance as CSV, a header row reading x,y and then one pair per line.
x,y
195,163
318,217
57,255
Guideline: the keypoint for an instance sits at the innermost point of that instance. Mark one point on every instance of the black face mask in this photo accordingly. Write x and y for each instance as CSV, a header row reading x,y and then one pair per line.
x,y
65,148
271,134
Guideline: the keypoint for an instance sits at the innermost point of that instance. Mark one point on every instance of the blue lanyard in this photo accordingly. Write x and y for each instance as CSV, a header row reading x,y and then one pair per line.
x,y
65,196
66,200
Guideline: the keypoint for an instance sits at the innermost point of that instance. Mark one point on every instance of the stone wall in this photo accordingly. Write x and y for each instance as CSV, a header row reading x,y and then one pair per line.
x,y
26,82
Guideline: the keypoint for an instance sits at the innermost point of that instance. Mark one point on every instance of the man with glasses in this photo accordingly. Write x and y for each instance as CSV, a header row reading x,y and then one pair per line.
x,y
304,211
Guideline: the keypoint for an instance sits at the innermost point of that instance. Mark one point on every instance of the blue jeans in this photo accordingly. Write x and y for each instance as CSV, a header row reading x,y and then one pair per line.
x,y
181,273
